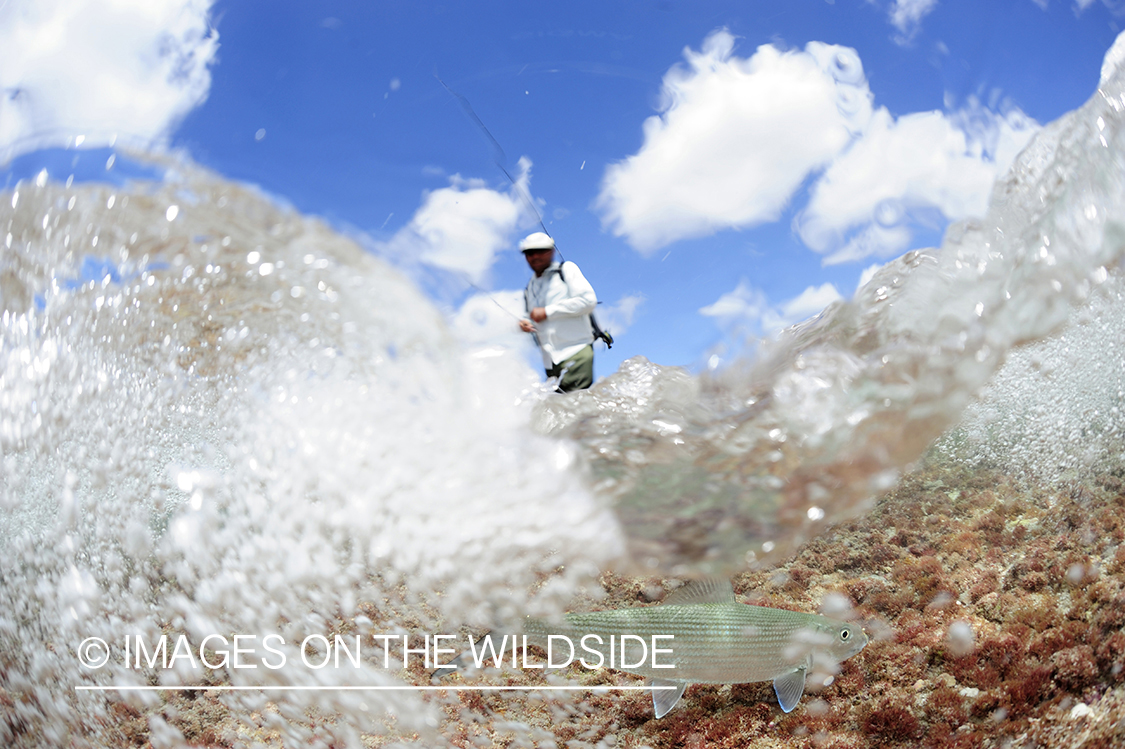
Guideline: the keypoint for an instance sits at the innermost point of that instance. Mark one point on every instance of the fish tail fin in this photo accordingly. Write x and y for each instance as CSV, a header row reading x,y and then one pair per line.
x,y
461,662
457,664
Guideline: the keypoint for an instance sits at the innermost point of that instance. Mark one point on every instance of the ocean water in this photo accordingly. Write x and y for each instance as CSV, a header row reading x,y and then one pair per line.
x,y
709,474
219,417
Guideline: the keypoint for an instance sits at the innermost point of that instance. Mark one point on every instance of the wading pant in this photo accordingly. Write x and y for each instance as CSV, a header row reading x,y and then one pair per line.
x,y
575,373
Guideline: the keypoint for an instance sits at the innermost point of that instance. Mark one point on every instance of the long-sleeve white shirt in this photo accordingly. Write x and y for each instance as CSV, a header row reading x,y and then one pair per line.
x,y
568,304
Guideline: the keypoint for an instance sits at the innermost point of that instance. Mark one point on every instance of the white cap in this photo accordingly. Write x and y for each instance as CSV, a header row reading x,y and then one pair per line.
x,y
537,241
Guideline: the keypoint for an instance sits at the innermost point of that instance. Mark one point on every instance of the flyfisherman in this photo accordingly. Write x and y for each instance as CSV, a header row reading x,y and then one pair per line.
x,y
559,302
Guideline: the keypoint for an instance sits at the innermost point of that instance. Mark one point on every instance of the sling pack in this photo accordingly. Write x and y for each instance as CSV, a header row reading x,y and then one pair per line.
x,y
598,332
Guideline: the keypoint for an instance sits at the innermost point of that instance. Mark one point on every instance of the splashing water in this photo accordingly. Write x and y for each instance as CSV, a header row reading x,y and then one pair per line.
x,y
712,474
218,417
1054,410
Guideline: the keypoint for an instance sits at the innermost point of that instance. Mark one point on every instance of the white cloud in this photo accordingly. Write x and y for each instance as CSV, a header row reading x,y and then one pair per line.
x,y
863,203
461,227
907,15
1081,5
734,140
737,137
809,302
113,71
868,273
616,318
747,308
744,303
491,320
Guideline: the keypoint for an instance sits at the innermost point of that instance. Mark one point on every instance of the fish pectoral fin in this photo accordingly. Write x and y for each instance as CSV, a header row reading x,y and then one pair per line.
x,y
789,688
665,694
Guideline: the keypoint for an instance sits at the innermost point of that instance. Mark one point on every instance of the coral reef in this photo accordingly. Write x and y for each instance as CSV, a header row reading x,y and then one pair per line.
x,y
996,611
995,608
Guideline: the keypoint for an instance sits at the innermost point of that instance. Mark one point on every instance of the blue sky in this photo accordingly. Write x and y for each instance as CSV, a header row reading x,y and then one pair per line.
x,y
717,169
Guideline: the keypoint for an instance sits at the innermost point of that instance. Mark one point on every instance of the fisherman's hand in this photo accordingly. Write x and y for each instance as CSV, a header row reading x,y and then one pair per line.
x,y
526,326
538,314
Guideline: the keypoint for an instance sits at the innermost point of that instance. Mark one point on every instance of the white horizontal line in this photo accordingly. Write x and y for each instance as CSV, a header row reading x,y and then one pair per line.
x,y
187,687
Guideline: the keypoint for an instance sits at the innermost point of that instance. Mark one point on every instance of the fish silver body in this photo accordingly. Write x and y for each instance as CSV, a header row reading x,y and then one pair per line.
x,y
711,643
706,636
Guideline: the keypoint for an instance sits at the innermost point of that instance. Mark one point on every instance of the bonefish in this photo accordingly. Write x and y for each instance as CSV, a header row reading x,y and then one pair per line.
x,y
707,637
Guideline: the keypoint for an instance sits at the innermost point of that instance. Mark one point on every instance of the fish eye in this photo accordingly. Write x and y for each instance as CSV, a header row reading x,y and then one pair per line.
x,y
845,634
